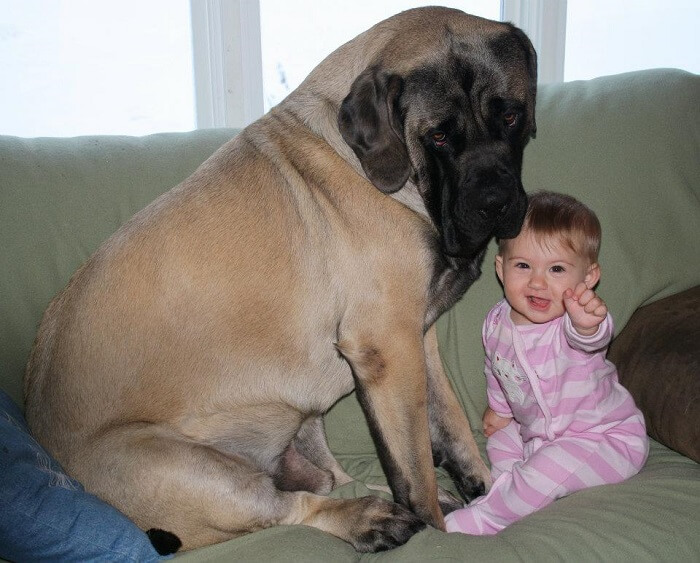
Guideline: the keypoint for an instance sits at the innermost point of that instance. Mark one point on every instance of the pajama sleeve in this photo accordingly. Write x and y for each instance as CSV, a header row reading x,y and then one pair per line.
x,y
589,344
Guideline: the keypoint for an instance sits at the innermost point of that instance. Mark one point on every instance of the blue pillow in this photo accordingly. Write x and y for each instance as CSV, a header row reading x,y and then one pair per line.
x,y
45,515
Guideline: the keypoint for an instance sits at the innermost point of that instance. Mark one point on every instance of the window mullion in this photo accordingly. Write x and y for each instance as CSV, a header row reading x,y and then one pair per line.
x,y
545,23
227,60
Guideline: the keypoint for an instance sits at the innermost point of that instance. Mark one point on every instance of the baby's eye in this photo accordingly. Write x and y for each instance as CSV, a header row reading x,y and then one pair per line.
x,y
558,269
521,265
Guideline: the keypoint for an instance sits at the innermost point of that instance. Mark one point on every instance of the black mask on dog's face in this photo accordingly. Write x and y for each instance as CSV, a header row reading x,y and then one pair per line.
x,y
458,129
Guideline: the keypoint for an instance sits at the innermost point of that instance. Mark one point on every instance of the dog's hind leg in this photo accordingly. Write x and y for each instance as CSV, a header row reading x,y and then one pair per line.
x,y
307,464
204,496
311,442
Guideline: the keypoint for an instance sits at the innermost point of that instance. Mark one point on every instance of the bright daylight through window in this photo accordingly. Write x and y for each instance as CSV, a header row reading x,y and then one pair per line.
x,y
77,67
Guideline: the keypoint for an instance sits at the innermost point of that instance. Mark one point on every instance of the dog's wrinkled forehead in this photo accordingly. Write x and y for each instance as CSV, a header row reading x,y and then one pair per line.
x,y
443,34
471,72
464,80
505,61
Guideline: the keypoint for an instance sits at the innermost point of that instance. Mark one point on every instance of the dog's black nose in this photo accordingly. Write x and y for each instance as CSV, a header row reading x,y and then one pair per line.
x,y
493,187
494,205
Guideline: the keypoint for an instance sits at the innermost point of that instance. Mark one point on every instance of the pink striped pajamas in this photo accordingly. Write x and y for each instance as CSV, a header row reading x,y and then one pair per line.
x,y
574,426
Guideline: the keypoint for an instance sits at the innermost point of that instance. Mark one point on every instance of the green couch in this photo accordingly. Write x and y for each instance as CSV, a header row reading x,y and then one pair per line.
x,y
627,145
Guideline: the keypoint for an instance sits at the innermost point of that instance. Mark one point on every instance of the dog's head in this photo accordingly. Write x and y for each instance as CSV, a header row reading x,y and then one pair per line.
x,y
449,105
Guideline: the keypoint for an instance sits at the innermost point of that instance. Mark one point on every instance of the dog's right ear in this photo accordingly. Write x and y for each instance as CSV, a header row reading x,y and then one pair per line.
x,y
369,122
531,57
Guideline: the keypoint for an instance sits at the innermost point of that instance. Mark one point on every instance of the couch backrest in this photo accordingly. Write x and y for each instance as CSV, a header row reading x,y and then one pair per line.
x,y
627,145
59,199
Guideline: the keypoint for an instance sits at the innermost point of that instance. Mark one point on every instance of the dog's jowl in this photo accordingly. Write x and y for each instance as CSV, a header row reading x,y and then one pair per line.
x,y
183,373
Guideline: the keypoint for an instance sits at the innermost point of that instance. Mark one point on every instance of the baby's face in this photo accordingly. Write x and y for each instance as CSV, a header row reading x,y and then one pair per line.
x,y
536,273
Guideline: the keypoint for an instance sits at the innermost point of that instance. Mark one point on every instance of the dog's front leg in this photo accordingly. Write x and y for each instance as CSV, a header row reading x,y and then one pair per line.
x,y
390,380
454,448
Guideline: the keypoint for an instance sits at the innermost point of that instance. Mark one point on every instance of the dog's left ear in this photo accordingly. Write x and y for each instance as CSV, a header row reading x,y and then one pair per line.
x,y
369,122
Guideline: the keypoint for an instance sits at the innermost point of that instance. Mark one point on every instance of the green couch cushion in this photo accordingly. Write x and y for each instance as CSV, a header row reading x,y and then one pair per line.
x,y
599,524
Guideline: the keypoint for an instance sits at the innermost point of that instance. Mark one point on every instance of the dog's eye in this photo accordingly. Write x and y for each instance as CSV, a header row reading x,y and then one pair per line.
x,y
439,139
510,118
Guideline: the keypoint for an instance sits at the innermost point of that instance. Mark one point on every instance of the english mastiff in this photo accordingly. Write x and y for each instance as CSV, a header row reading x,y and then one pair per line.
x,y
183,373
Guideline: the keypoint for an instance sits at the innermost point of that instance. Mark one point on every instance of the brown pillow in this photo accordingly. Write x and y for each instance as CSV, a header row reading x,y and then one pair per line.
x,y
658,359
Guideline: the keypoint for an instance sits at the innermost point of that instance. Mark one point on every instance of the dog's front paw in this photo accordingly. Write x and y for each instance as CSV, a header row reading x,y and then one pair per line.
x,y
472,480
448,502
471,487
471,477
382,525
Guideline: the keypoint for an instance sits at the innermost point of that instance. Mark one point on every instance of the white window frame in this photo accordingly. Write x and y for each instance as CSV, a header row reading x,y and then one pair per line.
x,y
227,60
544,21
228,55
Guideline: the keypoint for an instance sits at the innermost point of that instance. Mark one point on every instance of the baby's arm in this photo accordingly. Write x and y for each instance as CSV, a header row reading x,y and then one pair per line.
x,y
492,422
496,398
586,310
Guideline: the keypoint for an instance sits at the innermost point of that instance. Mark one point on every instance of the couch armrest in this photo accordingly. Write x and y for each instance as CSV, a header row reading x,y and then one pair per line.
x,y
658,360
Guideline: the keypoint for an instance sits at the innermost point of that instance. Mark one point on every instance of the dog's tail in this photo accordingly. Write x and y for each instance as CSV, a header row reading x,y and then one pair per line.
x,y
164,542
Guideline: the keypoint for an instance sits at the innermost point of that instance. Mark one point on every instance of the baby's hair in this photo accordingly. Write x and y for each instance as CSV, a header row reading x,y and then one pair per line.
x,y
554,215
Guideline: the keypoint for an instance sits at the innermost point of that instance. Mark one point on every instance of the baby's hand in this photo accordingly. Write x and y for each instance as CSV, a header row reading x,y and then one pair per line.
x,y
492,422
585,309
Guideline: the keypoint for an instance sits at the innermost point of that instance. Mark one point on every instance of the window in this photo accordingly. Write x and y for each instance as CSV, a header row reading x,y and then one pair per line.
x,y
74,67
604,37
298,34
79,67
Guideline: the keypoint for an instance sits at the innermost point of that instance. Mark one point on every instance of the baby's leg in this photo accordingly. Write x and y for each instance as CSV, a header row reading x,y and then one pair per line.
x,y
504,448
555,470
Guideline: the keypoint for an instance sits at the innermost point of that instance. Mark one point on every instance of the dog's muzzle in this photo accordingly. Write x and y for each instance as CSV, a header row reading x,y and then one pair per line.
x,y
490,201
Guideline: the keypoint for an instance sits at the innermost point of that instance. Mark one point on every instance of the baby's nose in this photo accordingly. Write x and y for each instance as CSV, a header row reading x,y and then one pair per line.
x,y
537,281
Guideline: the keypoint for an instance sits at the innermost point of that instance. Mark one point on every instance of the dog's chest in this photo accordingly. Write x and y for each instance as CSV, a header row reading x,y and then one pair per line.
x,y
449,284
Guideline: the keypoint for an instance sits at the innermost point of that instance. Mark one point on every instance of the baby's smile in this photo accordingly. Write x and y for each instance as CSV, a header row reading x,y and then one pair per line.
x,y
539,303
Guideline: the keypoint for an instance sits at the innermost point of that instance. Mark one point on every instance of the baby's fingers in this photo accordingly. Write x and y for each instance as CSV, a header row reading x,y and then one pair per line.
x,y
596,308
586,296
593,305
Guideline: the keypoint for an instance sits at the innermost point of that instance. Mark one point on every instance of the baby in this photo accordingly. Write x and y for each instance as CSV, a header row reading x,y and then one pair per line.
x,y
558,420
